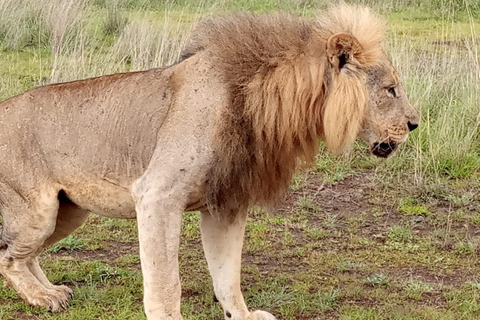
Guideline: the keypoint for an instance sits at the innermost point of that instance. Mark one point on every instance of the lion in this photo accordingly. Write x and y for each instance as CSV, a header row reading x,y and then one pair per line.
x,y
220,131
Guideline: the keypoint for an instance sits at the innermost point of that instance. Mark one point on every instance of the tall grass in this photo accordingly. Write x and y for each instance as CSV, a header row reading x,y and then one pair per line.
x,y
144,45
39,23
87,38
21,24
114,19
444,83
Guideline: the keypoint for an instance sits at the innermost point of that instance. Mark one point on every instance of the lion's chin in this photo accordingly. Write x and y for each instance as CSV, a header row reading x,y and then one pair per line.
x,y
383,149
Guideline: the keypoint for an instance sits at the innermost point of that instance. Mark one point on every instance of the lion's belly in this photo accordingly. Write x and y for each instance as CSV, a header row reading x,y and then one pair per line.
x,y
104,198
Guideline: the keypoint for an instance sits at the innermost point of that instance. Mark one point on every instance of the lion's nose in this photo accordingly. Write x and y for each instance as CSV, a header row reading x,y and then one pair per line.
x,y
412,126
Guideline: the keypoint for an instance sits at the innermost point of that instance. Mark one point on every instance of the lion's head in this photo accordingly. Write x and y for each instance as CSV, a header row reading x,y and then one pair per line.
x,y
377,108
389,116
293,82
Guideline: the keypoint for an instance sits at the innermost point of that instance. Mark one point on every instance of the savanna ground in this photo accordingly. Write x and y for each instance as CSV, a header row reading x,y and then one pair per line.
x,y
356,237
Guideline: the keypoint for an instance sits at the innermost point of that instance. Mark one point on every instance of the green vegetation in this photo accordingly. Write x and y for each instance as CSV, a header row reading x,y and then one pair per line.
x,y
356,238
408,207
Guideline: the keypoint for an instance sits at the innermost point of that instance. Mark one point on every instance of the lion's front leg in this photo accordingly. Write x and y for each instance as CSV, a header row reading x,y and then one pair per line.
x,y
223,242
159,224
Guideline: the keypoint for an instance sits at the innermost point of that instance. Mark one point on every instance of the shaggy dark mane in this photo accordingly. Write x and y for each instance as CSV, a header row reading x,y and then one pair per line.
x,y
279,80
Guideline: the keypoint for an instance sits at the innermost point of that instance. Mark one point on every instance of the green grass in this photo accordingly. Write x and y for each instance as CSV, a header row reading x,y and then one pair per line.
x,y
69,243
356,238
306,261
408,207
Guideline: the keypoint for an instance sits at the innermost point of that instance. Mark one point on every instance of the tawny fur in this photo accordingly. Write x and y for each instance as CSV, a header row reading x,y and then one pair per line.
x,y
224,128
284,97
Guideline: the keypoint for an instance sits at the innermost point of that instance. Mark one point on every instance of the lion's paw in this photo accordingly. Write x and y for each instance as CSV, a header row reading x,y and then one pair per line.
x,y
65,291
260,315
54,300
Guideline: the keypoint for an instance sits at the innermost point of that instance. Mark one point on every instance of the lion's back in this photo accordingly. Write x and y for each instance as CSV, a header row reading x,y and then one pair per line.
x,y
100,128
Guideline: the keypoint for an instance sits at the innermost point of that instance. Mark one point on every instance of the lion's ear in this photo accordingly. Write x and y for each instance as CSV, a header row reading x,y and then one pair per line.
x,y
345,105
343,49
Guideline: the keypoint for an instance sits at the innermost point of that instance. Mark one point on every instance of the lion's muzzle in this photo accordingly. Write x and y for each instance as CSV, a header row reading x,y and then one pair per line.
x,y
384,149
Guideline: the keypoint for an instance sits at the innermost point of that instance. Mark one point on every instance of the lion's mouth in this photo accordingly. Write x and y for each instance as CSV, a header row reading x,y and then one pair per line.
x,y
383,149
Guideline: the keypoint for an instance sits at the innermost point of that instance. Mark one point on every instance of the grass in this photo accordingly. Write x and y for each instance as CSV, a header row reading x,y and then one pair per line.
x,y
409,207
354,257
355,238
69,243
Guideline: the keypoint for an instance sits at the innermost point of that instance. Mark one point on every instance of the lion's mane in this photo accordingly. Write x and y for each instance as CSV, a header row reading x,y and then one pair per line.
x,y
284,97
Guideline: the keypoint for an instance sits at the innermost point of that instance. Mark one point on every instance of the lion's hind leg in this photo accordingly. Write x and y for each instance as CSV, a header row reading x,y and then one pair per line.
x,y
70,217
27,223
222,242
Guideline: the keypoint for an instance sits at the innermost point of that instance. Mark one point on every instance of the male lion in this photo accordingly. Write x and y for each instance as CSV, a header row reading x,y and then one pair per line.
x,y
218,132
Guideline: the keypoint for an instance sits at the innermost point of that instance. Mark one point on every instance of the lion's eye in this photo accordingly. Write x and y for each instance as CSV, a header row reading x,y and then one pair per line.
x,y
392,91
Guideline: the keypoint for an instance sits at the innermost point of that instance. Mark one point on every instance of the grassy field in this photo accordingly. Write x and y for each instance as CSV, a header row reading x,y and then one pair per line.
x,y
356,237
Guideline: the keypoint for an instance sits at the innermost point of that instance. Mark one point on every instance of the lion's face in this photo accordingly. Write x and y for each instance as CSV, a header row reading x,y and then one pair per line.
x,y
366,99
389,116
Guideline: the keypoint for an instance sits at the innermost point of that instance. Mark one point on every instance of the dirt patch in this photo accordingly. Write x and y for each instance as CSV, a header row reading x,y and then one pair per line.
x,y
114,250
